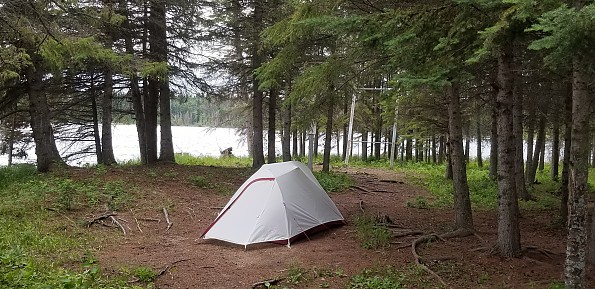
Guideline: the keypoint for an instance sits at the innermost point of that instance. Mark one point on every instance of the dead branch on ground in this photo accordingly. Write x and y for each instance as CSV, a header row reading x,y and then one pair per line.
x,y
115,221
100,218
169,223
150,219
361,206
265,282
392,181
138,225
169,266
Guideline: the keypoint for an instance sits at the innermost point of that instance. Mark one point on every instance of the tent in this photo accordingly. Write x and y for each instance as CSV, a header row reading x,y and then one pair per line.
x,y
277,203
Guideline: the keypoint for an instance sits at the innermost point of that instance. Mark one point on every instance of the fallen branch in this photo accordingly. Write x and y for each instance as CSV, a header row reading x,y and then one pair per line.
x,y
100,218
138,225
361,206
267,283
150,219
169,223
115,221
360,188
382,191
169,266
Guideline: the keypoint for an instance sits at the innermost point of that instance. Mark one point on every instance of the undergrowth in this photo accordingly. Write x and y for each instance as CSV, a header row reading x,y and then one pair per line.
x,y
228,162
37,239
370,234
333,182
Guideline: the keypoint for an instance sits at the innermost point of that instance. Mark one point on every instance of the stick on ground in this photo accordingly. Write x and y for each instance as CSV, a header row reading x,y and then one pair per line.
x,y
115,221
169,223
100,217
265,282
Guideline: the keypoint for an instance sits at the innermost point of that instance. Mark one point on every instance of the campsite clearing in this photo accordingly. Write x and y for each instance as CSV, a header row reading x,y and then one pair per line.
x,y
193,195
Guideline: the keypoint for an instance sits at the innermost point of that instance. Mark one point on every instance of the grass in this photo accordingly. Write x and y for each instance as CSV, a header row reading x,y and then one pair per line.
x,y
333,182
370,234
381,278
37,241
228,162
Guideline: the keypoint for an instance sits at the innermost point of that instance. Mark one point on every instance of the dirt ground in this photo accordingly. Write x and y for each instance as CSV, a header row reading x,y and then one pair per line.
x,y
329,258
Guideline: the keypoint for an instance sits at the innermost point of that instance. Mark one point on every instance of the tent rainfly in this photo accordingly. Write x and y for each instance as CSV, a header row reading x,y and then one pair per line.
x,y
277,203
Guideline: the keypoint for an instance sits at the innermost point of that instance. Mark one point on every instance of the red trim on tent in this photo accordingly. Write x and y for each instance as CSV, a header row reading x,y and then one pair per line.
x,y
222,213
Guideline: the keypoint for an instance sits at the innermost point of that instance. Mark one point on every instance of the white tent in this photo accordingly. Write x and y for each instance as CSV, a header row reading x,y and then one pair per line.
x,y
278,202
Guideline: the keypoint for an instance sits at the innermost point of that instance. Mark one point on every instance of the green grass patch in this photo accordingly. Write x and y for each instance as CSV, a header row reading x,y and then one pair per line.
x,y
333,182
382,278
200,181
370,234
37,241
229,162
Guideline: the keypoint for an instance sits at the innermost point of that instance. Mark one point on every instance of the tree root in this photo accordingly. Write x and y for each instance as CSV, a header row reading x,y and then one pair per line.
x,y
169,223
360,188
418,262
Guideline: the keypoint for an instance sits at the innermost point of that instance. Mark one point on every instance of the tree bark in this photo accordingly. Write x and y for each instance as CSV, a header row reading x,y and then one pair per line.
x,y
96,132
575,265
256,61
542,154
326,159
39,110
433,149
346,103
519,164
441,149
166,153
286,143
294,146
448,174
537,152
566,159
494,142
272,129
316,136
530,142
479,138
555,143
365,145
462,202
509,238
107,148
467,143
409,149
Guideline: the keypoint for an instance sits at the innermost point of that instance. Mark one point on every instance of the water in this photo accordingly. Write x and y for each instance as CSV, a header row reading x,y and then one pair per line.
x,y
202,141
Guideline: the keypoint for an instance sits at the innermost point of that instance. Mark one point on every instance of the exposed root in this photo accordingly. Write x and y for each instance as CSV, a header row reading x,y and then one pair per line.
x,y
417,258
544,252
404,233
360,188
392,181
267,283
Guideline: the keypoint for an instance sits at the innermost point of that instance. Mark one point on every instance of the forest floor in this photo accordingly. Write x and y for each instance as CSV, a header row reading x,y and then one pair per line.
x,y
193,195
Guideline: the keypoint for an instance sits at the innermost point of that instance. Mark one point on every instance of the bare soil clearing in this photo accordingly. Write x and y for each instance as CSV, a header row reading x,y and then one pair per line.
x,y
331,257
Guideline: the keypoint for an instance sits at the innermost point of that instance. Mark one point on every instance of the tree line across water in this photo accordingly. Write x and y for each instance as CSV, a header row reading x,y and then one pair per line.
x,y
515,70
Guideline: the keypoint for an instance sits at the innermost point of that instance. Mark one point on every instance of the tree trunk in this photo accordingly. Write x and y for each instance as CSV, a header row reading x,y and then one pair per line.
x,y
434,149
566,160
532,170
316,136
494,142
575,265
96,132
294,146
43,134
462,203
479,137
519,164
303,143
555,143
409,149
272,129
441,150
345,128
530,142
286,143
106,120
166,153
591,249
326,159
365,146
509,239
542,154
467,143
448,174
257,58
